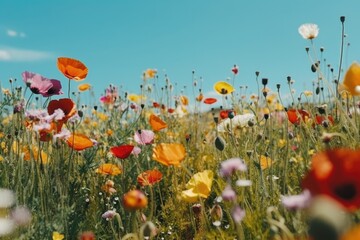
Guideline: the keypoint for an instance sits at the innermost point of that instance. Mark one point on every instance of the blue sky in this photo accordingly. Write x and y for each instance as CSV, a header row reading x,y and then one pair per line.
x,y
118,40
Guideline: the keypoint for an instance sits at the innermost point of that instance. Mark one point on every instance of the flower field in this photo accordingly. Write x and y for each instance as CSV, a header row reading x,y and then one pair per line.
x,y
158,165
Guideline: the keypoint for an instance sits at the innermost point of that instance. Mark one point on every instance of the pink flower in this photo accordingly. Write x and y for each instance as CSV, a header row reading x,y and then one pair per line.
x,y
144,137
230,166
109,214
37,83
295,202
237,214
228,194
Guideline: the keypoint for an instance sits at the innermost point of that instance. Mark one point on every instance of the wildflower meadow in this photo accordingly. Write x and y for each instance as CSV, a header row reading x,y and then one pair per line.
x,y
161,164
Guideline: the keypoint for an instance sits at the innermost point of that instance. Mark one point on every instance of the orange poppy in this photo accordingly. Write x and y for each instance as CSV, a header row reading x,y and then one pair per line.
x,y
149,177
169,153
72,68
184,100
295,115
156,123
79,142
108,169
122,151
134,200
83,87
210,100
66,105
200,97
335,173
351,81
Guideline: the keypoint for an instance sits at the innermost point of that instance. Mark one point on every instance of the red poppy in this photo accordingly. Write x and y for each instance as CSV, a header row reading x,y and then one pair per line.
x,y
295,115
156,105
72,68
319,119
235,69
335,173
149,177
225,113
122,151
210,100
171,110
66,105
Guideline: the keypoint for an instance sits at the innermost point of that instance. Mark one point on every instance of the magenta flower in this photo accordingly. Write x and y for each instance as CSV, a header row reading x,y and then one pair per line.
x,y
230,166
54,90
295,202
144,137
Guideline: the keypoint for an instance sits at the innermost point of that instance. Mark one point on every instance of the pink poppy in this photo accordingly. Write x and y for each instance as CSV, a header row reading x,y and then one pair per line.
x,y
144,137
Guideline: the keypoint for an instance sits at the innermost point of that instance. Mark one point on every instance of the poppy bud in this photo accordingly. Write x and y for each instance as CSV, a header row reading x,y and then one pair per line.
x,y
257,73
220,143
95,108
278,86
216,120
321,49
231,114
288,78
342,19
216,214
196,208
264,81
80,113
317,91
307,49
314,66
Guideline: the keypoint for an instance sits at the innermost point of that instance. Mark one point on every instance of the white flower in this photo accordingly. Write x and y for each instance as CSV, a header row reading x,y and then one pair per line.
x,y
237,122
7,198
7,226
21,215
309,30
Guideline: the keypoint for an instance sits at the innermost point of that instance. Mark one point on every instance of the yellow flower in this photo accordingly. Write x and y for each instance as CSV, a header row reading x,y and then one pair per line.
x,y
6,91
279,107
108,169
198,186
109,132
223,88
281,143
265,162
150,73
102,116
351,81
308,93
3,145
83,87
135,98
57,236
1,158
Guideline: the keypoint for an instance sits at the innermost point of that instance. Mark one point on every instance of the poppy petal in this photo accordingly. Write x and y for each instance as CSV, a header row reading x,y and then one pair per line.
x,y
122,151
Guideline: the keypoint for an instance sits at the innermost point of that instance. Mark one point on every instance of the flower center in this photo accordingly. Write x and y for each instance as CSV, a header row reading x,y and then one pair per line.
x,y
346,191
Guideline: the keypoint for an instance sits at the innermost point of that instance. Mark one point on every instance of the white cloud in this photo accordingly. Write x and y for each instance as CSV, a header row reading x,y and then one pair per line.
x,y
13,33
22,55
